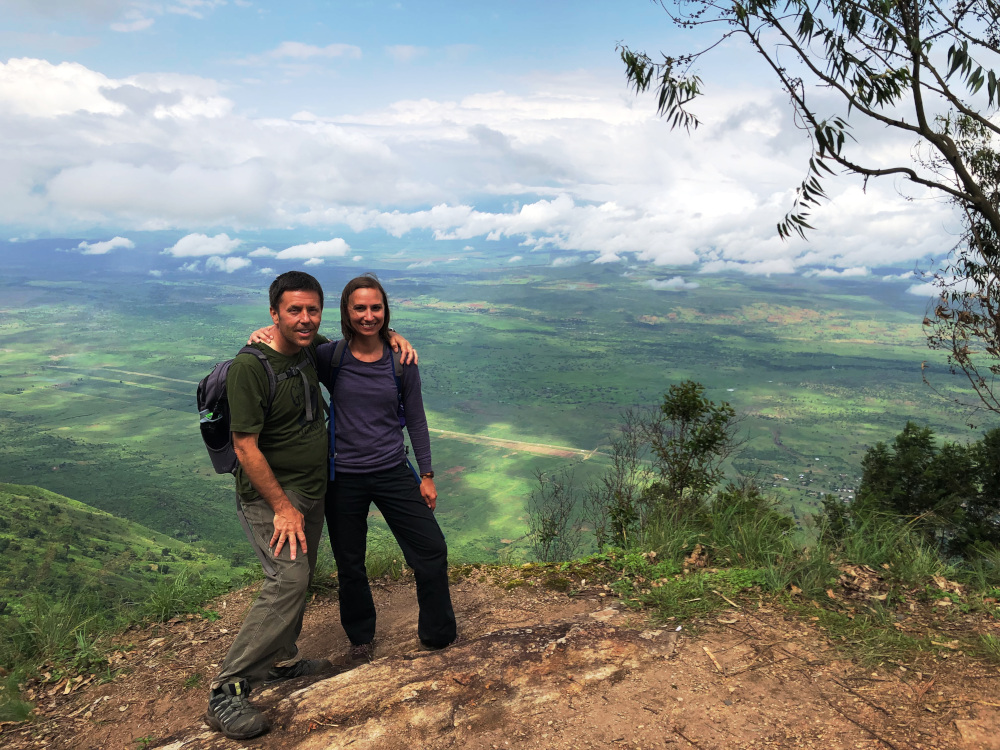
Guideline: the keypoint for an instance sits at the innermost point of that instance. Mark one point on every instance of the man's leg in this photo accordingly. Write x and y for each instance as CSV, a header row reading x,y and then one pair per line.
x,y
347,503
314,533
272,625
397,496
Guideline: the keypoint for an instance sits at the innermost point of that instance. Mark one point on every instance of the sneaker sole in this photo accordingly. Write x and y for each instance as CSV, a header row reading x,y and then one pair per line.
x,y
216,725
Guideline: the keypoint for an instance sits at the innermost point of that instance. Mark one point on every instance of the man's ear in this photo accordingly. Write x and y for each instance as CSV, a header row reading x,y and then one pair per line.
x,y
274,316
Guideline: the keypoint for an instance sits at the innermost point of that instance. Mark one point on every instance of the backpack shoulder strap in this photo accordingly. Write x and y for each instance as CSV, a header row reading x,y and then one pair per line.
x,y
272,381
397,375
336,360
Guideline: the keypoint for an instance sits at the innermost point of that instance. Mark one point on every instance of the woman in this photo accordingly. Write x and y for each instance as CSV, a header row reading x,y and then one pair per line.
x,y
368,464
368,401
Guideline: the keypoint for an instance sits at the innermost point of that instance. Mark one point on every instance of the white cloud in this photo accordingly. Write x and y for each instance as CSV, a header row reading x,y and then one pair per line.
x,y
753,268
135,21
97,10
831,273
36,88
300,51
356,258
924,290
325,249
218,263
675,284
405,53
193,8
191,267
515,258
199,244
262,252
100,248
314,262
582,169
421,264
265,270
565,260
156,273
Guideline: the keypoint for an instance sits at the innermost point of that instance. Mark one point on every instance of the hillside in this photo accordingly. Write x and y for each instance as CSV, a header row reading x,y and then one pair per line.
x,y
540,668
55,545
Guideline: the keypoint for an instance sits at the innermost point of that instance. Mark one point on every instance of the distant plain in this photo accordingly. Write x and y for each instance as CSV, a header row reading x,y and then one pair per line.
x,y
523,370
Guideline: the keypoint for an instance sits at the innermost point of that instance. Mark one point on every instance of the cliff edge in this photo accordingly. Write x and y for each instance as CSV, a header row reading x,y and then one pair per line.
x,y
534,668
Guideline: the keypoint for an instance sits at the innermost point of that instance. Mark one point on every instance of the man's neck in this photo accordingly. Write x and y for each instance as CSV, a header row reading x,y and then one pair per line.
x,y
284,346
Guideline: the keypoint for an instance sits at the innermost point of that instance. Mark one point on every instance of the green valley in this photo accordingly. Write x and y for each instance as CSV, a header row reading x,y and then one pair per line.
x,y
523,371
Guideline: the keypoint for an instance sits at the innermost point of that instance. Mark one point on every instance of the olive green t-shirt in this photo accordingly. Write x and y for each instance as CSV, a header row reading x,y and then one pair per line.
x,y
296,450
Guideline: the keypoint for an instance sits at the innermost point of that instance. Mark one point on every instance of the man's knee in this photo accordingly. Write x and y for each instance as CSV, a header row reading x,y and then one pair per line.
x,y
294,575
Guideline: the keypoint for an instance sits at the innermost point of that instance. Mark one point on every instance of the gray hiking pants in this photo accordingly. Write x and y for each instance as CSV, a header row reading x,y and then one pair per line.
x,y
272,626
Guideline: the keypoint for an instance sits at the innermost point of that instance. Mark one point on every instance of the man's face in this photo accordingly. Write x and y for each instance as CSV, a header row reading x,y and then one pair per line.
x,y
297,318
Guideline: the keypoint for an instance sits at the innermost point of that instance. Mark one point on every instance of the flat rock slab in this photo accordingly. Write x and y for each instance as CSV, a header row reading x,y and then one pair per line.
x,y
472,688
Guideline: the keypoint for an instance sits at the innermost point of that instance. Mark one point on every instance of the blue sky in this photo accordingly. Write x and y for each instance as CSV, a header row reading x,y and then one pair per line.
x,y
434,128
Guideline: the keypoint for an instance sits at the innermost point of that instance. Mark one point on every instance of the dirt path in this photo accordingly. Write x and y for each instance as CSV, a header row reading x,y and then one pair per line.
x,y
540,449
533,669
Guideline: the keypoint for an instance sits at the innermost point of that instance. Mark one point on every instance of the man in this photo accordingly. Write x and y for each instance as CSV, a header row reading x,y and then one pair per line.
x,y
280,483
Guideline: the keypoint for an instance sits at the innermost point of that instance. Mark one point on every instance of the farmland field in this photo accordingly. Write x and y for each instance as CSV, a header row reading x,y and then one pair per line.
x,y
523,371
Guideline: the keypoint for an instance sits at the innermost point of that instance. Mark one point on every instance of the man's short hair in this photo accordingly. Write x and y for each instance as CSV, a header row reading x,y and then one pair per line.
x,y
366,281
293,281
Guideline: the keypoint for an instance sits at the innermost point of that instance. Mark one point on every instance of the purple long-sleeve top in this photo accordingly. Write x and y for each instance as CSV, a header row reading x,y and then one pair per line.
x,y
365,407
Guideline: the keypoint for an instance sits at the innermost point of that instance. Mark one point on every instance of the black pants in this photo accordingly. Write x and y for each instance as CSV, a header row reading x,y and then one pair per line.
x,y
396,494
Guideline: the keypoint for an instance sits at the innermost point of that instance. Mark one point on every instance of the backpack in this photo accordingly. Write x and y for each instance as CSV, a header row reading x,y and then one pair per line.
x,y
213,407
330,360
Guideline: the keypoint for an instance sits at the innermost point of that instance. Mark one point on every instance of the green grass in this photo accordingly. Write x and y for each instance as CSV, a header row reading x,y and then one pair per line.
x,y
52,545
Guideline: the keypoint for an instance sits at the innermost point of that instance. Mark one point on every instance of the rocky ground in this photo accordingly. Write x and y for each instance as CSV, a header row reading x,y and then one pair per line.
x,y
534,668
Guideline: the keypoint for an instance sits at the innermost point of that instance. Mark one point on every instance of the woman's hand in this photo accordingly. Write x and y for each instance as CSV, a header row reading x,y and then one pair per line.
x,y
429,492
409,354
265,335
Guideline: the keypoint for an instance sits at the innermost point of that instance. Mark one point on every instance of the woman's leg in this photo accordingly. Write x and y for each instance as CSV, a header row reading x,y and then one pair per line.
x,y
347,501
397,495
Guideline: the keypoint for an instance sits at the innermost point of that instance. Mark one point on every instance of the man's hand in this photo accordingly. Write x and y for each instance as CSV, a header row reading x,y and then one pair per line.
x,y
289,525
429,492
263,335
399,344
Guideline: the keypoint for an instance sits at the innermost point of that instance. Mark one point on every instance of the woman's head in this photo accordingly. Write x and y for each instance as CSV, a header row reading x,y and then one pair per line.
x,y
361,311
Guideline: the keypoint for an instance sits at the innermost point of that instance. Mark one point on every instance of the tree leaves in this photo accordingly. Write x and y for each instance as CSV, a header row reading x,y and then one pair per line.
x,y
879,57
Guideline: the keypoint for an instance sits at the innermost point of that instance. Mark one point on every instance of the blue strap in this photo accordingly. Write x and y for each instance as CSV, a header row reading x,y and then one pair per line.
x,y
332,366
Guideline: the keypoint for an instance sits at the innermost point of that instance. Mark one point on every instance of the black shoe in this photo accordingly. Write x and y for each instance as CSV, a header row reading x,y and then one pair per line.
x,y
231,712
426,646
362,652
301,668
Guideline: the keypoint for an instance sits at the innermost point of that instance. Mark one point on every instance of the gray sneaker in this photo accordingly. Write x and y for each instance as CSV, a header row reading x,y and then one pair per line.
x,y
301,668
230,712
362,652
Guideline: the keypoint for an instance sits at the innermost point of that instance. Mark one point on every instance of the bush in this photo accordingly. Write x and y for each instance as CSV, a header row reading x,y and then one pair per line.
x,y
948,494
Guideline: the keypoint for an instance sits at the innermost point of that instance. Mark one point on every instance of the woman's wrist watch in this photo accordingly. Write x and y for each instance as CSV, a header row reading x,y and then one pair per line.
x,y
427,475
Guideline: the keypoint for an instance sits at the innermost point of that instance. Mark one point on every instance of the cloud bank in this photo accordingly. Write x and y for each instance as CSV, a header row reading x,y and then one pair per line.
x,y
572,166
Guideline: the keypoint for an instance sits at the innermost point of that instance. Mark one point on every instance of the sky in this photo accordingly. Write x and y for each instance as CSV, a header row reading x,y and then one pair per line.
x,y
344,130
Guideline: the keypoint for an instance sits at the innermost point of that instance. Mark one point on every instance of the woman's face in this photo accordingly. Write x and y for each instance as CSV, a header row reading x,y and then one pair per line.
x,y
366,311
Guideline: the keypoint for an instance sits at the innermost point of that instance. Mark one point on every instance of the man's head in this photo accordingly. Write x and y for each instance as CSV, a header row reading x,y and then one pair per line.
x,y
293,281
296,309
368,281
